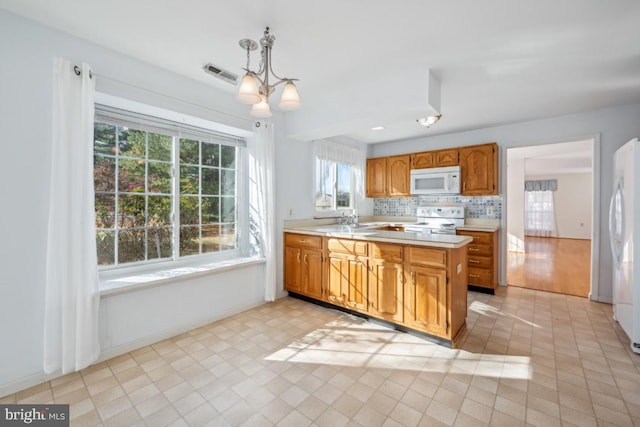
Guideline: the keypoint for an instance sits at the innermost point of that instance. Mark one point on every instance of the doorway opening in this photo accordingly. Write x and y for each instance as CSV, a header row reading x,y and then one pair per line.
x,y
550,224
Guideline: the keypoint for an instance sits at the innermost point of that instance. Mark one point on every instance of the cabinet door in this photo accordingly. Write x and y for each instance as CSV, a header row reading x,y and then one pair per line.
x,y
312,273
377,177
426,300
479,169
398,176
347,281
446,157
386,290
422,160
292,269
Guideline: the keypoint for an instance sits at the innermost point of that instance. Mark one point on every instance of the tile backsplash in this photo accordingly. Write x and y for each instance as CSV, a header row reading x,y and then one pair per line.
x,y
475,207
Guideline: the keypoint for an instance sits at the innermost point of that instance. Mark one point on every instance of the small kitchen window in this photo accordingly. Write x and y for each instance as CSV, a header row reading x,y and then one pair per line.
x,y
338,176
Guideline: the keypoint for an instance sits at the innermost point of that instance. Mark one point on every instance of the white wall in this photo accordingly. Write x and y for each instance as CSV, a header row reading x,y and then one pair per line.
x,y
515,204
27,50
572,203
613,126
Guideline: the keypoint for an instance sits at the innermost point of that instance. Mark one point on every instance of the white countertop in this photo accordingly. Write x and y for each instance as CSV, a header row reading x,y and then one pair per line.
x,y
478,227
368,232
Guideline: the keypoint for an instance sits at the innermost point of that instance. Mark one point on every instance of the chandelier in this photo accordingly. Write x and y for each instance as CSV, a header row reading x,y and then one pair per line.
x,y
256,88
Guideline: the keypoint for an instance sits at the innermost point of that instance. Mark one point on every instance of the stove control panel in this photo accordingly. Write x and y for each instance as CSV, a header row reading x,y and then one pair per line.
x,y
440,211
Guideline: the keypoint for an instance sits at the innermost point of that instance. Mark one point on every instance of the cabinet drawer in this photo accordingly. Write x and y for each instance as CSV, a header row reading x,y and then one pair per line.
x,y
303,240
352,247
479,237
482,250
428,256
480,261
480,276
386,252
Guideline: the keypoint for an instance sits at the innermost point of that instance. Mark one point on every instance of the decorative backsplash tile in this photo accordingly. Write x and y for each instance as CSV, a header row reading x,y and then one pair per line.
x,y
475,207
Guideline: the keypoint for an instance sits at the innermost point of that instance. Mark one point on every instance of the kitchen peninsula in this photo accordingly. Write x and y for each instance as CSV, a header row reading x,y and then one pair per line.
x,y
415,282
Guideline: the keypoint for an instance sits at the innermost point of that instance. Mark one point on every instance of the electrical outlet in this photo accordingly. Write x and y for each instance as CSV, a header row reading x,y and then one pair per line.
x,y
290,212
407,210
490,211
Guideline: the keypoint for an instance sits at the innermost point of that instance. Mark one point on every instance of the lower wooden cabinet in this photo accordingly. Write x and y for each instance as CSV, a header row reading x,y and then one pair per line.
x,y
482,260
416,287
303,264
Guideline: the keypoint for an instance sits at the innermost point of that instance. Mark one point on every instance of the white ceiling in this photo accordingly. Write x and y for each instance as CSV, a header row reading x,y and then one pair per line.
x,y
364,63
555,159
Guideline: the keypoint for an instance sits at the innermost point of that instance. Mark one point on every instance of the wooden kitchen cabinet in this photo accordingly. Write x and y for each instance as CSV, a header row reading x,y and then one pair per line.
x,y
433,159
389,176
303,263
482,259
426,290
479,169
386,281
347,279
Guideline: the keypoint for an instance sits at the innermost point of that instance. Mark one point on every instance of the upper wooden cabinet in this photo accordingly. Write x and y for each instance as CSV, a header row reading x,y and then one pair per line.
x,y
389,176
434,159
479,169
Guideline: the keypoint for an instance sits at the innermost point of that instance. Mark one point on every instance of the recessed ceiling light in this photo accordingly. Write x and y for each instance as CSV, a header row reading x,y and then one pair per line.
x,y
378,128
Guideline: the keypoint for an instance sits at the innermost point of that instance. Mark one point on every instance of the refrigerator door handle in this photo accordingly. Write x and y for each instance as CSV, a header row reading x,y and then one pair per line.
x,y
616,249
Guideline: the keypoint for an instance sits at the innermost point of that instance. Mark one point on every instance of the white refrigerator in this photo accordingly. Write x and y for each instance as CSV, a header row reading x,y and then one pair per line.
x,y
624,232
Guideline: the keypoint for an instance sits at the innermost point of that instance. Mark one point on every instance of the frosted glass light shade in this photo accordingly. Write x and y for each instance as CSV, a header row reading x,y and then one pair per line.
x,y
248,92
261,109
290,99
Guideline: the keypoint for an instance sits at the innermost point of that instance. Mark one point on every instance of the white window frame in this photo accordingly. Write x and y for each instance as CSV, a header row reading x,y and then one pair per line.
x,y
352,189
192,127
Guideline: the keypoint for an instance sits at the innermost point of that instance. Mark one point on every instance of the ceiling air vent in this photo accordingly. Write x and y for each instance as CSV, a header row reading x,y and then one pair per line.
x,y
218,72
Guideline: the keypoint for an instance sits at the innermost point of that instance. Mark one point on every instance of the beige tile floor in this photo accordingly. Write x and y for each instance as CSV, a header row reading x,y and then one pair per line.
x,y
527,358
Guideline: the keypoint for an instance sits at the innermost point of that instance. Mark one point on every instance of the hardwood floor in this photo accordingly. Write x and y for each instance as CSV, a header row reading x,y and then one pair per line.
x,y
551,264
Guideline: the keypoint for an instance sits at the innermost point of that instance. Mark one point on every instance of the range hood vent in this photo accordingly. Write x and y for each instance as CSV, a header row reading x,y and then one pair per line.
x,y
218,72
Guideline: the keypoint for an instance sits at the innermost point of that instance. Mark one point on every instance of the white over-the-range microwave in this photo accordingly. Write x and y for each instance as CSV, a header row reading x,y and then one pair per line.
x,y
436,180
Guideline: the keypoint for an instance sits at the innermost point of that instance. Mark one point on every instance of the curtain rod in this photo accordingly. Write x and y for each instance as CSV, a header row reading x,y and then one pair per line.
x,y
78,72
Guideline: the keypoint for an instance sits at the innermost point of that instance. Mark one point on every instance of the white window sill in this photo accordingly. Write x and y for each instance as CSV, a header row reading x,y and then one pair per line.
x,y
135,282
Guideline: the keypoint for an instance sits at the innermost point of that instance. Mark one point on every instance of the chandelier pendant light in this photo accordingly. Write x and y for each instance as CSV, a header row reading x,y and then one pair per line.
x,y
257,86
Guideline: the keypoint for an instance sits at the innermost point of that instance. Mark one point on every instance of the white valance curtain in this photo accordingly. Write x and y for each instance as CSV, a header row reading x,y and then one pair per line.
x,y
539,210
345,154
262,202
71,339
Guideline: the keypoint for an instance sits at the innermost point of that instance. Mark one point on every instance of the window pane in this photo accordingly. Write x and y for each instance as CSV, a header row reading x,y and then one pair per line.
x,y
189,210
105,242
189,180
160,147
344,186
104,174
210,210
131,176
189,240
159,242
131,211
189,151
104,138
131,245
159,212
228,209
228,237
228,182
159,177
210,238
133,143
228,157
105,210
210,154
325,179
210,181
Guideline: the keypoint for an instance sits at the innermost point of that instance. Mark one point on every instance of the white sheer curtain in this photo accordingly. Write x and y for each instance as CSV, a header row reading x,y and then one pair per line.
x,y
262,214
341,153
71,296
539,214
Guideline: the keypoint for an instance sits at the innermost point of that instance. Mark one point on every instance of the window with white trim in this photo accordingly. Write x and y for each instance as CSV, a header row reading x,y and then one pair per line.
x,y
164,190
338,176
